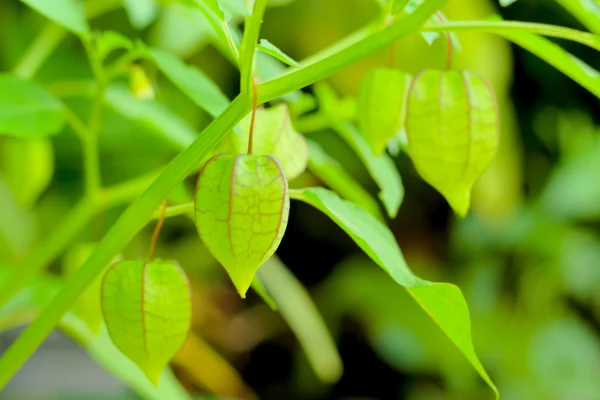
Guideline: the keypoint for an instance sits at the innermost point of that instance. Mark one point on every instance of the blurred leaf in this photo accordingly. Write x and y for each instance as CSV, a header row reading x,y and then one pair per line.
x,y
381,168
234,7
18,229
67,13
381,106
506,3
150,113
147,310
269,48
141,13
443,302
333,174
572,191
27,167
274,135
586,11
453,126
299,311
27,110
208,369
554,55
190,80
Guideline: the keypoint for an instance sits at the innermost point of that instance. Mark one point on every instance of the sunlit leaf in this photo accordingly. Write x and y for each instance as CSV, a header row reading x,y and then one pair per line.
x,y
381,106
269,48
67,13
27,167
506,3
333,174
274,135
443,302
147,310
586,11
452,126
381,168
27,110
242,208
299,311
141,13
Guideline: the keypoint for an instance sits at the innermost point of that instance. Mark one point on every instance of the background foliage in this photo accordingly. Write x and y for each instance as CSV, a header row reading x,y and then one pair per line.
x,y
527,257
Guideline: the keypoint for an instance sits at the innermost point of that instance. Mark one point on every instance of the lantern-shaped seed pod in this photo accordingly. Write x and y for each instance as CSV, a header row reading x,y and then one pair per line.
x,y
147,310
242,207
452,126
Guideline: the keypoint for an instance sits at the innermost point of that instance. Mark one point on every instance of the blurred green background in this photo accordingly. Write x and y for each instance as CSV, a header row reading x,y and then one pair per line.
x,y
527,257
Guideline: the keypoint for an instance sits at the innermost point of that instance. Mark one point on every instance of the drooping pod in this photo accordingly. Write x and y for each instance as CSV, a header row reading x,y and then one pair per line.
x,y
147,310
242,208
452,126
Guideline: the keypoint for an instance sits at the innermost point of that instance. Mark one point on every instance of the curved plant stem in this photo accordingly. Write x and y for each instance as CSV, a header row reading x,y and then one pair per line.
x,y
159,226
136,215
253,117
38,52
449,46
585,38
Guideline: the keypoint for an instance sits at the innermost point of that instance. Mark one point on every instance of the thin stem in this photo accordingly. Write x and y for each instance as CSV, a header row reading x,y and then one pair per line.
x,y
585,38
175,211
448,42
253,117
39,51
248,48
159,226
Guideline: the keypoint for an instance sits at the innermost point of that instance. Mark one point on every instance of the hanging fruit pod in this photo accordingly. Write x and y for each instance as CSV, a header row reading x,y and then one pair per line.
x,y
147,310
452,127
241,208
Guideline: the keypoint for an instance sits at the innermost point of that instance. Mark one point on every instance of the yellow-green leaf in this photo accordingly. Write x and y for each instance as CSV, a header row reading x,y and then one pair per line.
x,y
443,302
241,209
381,104
27,167
67,13
147,310
452,127
274,135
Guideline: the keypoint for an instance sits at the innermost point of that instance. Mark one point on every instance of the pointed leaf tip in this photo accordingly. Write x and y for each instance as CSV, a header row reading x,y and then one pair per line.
x,y
147,310
242,208
452,126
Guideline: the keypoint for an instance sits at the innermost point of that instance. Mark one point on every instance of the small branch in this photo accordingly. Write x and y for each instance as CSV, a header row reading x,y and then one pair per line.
x,y
253,117
248,47
159,226
175,211
39,51
449,46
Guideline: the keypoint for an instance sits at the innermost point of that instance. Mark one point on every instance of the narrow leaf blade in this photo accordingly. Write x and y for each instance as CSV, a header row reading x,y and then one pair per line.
x,y
443,302
269,48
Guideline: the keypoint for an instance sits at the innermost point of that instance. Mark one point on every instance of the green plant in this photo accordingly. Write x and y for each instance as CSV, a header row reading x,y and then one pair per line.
x,y
232,132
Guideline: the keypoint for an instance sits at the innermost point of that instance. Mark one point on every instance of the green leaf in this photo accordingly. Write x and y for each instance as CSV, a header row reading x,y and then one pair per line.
x,y
67,13
27,167
554,55
242,209
274,135
381,106
150,113
141,13
506,3
381,168
197,86
147,310
301,314
269,48
586,11
452,126
334,175
234,7
443,302
27,110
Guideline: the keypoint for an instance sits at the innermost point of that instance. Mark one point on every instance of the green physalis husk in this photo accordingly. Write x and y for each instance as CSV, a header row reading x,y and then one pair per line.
x,y
147,310
241,208
452,126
